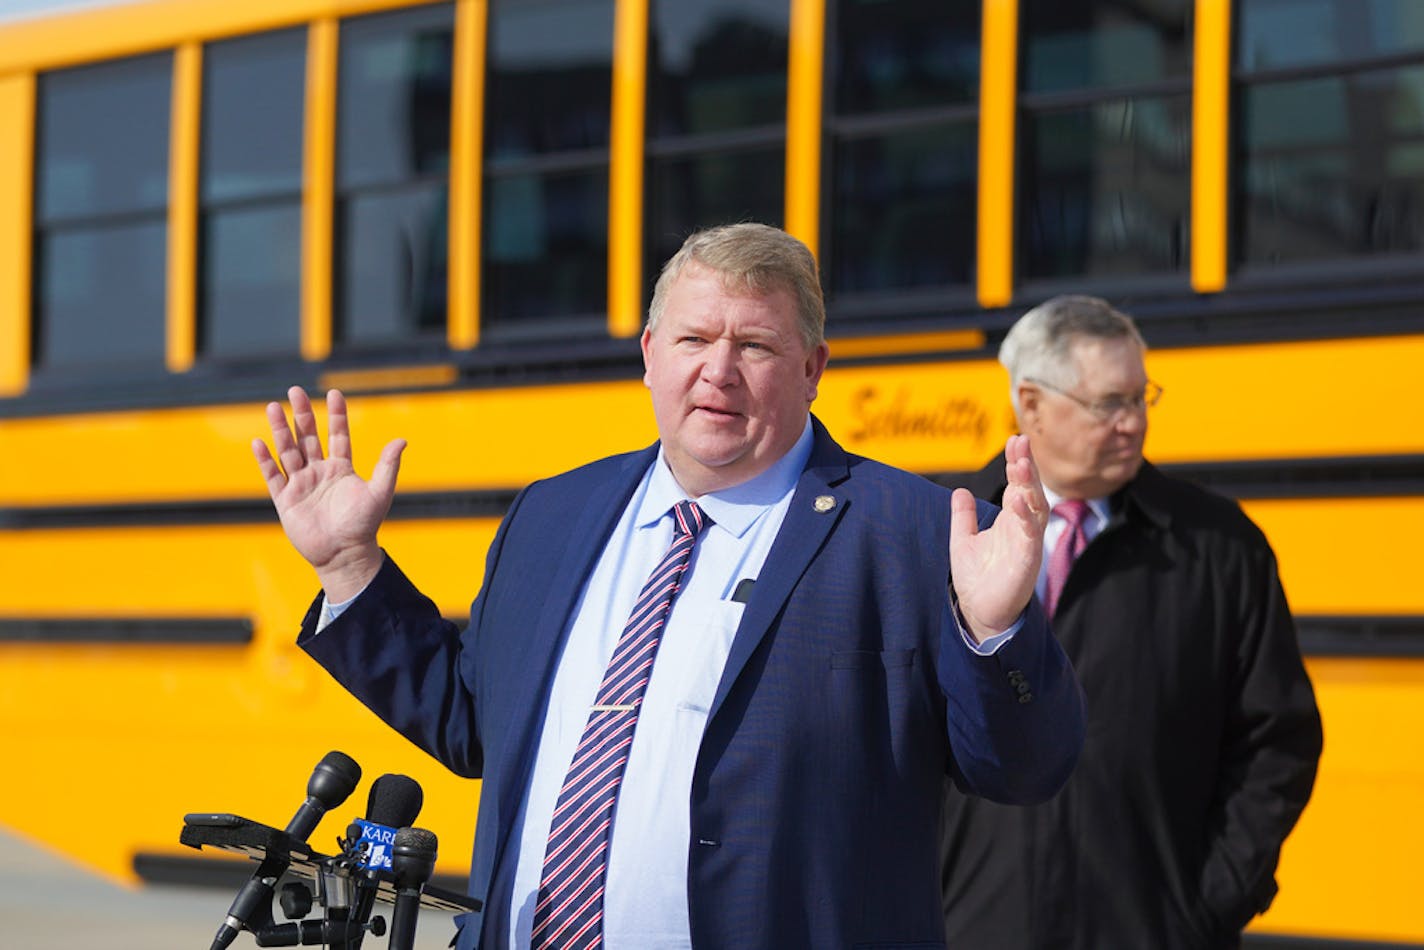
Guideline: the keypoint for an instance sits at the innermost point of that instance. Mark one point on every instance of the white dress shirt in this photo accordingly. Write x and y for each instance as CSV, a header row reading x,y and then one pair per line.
x,y
1098,513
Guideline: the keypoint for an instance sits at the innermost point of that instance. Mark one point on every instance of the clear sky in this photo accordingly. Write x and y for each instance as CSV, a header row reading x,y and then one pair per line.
x,y
15,9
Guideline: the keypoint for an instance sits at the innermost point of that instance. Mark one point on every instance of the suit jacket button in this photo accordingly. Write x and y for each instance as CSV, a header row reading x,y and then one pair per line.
x,y
1025,697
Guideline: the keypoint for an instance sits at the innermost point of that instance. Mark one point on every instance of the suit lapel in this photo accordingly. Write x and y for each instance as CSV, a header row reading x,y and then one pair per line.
x,y
809,522
583,543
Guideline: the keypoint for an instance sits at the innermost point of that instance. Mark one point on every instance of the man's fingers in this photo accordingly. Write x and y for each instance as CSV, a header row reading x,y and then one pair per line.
x,y
964,520
304,418
271,471
383,477
283,442
1024,495
338,428
1015,447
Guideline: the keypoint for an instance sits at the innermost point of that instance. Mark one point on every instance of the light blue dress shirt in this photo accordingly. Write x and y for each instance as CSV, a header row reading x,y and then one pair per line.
x,y
645,903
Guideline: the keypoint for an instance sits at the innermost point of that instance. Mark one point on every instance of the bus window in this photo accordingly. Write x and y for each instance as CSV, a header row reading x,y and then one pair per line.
x,y
1106,139
1329,132
100,219
250,192
1279,34
548,94
716,119
903,134
392,177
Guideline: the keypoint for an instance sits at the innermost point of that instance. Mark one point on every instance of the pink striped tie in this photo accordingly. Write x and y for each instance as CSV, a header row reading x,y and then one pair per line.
x,y
569,911
1070,544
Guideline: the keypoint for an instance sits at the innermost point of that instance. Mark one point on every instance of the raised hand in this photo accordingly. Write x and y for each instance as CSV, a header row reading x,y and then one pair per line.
x,y
330,513
995,569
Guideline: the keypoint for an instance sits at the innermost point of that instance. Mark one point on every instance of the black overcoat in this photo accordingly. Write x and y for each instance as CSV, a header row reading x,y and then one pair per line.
x,y
1202,745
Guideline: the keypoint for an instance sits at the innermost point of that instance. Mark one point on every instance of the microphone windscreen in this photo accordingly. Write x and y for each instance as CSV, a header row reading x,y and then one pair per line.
x,y
417,841
413,857
334,779
395,801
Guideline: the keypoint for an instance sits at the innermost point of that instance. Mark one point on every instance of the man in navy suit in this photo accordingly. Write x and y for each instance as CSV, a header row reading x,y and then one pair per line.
x,y
816,677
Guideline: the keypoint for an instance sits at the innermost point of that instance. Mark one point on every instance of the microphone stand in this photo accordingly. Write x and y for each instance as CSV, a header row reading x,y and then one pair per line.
x,y
347,888
338,927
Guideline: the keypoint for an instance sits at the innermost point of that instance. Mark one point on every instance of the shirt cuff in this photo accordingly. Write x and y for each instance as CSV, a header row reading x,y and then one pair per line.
x,y
991,644
330,611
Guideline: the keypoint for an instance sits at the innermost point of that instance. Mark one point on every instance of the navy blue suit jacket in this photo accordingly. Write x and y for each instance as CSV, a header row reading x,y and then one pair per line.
x,y
847,697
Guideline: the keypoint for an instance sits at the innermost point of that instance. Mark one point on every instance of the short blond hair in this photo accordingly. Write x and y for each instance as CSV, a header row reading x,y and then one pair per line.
x,y
754,257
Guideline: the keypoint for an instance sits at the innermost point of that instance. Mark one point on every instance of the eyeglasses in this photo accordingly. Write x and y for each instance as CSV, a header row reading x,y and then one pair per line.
x,y
1110,408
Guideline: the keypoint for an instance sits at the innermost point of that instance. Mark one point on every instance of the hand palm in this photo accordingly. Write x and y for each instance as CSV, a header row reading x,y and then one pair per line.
x,y
990,571
995,569
330,513
326,507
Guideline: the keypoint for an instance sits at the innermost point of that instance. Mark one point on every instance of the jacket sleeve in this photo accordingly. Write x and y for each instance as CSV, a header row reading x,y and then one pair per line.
x,y
1016,718
394,652
1270,754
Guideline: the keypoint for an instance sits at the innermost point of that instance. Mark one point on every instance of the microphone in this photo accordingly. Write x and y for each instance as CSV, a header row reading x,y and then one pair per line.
x,y
331,783
334,779
412,863
394,802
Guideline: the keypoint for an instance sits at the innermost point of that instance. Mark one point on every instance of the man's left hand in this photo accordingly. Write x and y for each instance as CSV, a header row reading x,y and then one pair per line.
x,y
995,569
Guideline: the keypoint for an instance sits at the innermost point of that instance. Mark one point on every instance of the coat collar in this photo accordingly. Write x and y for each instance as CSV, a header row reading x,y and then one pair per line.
x,y
1145,497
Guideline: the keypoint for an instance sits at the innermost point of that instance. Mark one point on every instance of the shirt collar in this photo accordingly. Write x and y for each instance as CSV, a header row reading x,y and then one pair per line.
x,y
1100,507
737,508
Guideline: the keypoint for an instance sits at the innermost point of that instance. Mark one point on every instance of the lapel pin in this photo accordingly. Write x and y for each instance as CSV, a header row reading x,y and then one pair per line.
x,y
823,503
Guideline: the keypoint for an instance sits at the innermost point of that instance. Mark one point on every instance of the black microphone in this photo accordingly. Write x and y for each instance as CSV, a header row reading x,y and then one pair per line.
x,y
412,863
394,802
332,782
334,779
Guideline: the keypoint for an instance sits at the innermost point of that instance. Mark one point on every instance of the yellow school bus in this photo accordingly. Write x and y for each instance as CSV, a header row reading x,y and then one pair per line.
x,y
454,211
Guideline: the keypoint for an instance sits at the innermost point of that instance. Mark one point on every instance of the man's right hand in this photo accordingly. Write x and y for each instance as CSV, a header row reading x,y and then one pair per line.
x,y
330,514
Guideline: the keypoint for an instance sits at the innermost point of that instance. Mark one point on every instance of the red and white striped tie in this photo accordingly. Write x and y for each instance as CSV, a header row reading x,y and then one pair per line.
x,y
569,910
1070,544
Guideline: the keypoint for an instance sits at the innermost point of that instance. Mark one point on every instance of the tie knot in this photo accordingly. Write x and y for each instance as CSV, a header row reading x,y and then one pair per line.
x,y
688,519
1072,510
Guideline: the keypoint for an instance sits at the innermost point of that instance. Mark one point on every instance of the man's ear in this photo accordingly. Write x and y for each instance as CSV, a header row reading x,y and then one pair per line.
x,y
647,346
1030,401
816,365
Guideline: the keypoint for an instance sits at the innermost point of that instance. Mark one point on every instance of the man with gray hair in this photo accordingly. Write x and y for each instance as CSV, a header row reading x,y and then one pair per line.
x,y
1203,733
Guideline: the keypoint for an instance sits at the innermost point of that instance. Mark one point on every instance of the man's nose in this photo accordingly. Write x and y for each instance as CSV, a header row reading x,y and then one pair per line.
x,y
1132,421
719,364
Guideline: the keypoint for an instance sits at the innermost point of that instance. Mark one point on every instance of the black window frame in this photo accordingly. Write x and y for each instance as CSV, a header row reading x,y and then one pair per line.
x,y
122,220
1364,267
